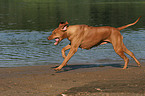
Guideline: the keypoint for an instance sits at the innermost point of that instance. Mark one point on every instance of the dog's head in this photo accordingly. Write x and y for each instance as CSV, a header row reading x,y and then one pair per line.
x,y
59,33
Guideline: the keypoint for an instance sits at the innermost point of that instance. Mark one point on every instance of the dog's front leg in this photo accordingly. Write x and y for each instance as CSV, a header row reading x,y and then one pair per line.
x,y
64,49
72,51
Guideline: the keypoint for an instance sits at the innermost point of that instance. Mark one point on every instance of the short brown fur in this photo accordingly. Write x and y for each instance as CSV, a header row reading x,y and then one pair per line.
x,y
86,37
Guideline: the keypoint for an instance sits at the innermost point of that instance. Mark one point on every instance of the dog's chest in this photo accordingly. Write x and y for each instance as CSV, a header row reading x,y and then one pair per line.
x,y
88,44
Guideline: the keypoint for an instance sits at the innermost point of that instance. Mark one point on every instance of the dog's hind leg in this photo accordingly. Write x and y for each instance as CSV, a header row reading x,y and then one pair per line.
x,y
131,54
120,52
118,47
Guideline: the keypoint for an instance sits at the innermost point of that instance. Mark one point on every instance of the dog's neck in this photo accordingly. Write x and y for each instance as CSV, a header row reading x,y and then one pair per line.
x,y
65,35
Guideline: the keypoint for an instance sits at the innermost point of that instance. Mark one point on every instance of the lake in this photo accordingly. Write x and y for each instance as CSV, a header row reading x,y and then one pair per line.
x,y
26,24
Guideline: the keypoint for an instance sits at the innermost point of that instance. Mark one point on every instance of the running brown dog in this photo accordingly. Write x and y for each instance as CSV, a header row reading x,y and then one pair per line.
x,y
86,37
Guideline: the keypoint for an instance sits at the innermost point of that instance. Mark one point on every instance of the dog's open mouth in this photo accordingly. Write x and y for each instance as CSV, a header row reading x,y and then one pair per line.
x,y
57,41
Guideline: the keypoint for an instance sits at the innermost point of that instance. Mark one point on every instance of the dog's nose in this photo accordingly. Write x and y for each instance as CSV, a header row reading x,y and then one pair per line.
x,y
49,38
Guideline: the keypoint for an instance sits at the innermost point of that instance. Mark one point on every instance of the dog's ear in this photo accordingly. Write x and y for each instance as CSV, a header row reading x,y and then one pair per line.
x,y
61,23
64,28
66,23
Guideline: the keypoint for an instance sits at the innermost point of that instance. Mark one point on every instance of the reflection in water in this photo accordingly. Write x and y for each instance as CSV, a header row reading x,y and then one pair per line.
x,y
25,25
46,14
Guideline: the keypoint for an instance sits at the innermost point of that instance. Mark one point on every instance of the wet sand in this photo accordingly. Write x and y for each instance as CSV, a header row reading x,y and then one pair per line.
x,y
73,80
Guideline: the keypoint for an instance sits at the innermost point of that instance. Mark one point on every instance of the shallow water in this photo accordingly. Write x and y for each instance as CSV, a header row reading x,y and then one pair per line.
x,y
26,24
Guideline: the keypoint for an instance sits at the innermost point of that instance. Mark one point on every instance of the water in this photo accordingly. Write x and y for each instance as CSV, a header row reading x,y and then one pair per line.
x,y
26,24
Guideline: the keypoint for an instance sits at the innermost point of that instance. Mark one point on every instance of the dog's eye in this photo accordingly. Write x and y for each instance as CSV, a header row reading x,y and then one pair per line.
x,y
54,32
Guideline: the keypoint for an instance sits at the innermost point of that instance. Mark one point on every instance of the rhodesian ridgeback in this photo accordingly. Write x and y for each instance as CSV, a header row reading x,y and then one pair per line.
x,y
86,37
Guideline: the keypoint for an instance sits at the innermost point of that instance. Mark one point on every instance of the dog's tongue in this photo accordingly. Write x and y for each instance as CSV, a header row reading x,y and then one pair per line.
x,y
56,41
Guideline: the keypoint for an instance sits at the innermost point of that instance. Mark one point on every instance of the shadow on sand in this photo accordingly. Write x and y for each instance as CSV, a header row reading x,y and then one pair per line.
x,y
80,66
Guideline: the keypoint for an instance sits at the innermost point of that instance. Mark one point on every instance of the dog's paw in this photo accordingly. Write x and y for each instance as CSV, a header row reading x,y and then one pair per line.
x,y
139,65
124,68
57,69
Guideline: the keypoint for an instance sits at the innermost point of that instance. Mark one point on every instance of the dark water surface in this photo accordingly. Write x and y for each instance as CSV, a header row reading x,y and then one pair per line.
x,y
26,24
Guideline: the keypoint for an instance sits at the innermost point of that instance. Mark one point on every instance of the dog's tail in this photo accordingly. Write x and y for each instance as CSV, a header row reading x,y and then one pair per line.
x,y
123,27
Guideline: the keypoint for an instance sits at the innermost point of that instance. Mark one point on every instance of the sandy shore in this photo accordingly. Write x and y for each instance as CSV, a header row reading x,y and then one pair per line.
x,y
73,80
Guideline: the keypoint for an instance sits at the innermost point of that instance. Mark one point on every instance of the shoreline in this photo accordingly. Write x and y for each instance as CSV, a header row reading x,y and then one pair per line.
x,y
74,80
